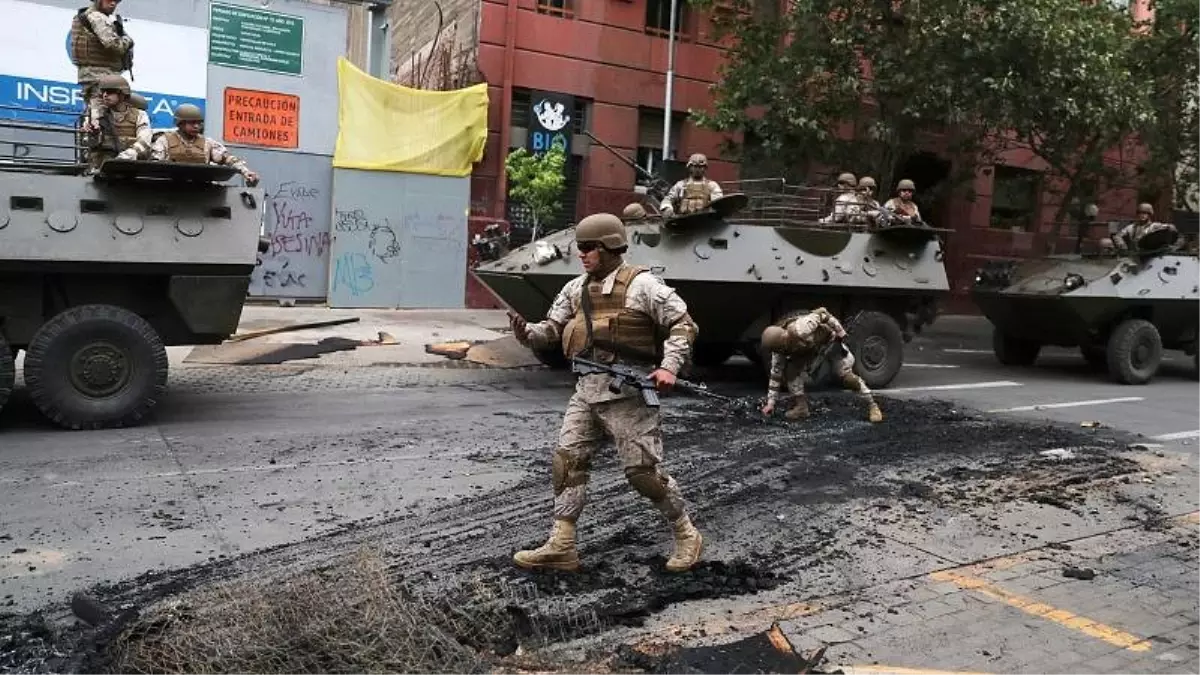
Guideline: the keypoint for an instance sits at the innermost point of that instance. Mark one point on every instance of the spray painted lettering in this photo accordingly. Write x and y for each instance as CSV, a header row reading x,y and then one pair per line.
x,y
353,272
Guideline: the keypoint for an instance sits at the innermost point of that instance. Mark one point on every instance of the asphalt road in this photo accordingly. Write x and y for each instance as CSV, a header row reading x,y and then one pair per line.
x,y
240,459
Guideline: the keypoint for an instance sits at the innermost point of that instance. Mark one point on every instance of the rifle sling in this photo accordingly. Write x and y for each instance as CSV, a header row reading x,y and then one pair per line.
x,y
585,302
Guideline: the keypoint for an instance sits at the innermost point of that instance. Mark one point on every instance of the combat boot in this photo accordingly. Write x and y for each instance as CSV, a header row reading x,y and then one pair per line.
x,y
688,545
799,409
558,553
874,413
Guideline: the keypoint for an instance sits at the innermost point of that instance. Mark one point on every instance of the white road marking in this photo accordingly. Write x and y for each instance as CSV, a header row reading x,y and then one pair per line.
x,y
949,387
930,365
1069,404
1178,435
967,351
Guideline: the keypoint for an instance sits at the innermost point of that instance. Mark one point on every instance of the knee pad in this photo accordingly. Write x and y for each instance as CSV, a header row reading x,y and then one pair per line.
x,y
648,482
566,471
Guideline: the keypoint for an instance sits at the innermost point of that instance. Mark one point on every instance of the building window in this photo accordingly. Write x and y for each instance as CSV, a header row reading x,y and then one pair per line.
x,y
658,14
650,137
1015,195
521,105
564,8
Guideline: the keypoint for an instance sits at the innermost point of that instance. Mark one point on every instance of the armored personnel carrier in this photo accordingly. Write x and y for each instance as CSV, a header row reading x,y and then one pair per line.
x,y
98,274
741,268
1121,311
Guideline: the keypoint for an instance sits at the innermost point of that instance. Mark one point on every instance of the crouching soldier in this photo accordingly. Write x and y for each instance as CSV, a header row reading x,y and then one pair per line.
x,y
793,348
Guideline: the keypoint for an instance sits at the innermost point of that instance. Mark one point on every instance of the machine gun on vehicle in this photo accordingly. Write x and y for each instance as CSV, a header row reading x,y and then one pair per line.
x,y
622,375
657,188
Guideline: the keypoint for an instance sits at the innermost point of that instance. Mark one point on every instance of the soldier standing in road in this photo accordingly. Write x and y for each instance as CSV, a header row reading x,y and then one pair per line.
x,y
1130,236
902,207
693,193
124,130
614,312
99,47
793,347
187,146
846,205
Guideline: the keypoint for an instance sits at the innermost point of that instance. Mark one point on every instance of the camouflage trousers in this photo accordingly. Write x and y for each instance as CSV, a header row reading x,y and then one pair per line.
x,y
796,373
635,429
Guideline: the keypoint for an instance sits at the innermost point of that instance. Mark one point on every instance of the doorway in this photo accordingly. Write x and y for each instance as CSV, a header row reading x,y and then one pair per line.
x,y
930,173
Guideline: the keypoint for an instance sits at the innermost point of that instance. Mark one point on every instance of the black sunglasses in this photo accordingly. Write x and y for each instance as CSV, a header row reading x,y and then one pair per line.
x,y
587,246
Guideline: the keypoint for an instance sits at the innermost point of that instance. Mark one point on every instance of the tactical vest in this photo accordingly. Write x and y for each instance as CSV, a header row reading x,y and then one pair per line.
x,y
695,197
617,332
810,340
125,124
184,151
87,49
903,207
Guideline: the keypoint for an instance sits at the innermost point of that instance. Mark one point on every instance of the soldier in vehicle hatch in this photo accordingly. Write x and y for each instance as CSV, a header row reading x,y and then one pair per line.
x,y
613,313
902,208
869,211
124,130
1130,236
99,47
845,206
693,193
793,348
186,144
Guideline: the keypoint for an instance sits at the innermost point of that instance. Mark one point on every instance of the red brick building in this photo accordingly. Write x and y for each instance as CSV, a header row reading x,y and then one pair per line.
x,y
610,57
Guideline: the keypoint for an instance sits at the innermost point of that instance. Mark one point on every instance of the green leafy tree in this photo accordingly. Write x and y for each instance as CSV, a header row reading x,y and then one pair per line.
x,y
859,85
537,182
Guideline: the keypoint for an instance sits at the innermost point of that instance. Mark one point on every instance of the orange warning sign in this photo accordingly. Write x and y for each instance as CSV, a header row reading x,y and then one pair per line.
x,y
263,118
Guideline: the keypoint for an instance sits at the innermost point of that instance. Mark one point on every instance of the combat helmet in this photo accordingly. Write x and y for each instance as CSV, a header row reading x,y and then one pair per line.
x,y
113,81
1146,208
138,101
188,113
604,228
846,180
697,160
866,181
774,338
634,211
906,184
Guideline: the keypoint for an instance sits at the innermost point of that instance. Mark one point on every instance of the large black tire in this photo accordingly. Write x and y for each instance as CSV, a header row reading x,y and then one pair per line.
x,y
1013,351
8,371
1134,352
712,354
553,358
96,367
878,347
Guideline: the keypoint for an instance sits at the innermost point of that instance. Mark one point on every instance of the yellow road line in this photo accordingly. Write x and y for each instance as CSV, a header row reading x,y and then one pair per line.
x,y
1062,617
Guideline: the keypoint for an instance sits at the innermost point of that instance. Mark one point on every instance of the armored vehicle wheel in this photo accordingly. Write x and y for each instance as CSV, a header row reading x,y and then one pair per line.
x,y
711,354
1134,351
95,367
552,358
1013,351
878,347
8,371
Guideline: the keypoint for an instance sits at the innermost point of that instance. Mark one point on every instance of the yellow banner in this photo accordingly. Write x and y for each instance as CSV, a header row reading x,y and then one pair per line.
x,y
387,127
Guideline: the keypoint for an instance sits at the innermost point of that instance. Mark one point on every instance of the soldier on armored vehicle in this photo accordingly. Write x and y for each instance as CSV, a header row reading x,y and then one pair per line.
x,y
902,209
845,205
99,47
692,194
124,131
1131,237
186,145
868,212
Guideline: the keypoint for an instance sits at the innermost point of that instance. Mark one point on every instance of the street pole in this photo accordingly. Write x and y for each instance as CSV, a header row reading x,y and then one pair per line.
x,y
666,143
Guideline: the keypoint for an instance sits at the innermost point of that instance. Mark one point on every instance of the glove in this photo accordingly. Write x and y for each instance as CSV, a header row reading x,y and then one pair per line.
x,y
127,154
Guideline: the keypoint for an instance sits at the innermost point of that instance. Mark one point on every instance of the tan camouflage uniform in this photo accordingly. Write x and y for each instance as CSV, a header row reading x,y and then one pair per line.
x,y
902,208
692,195
594,411
173,146
96,55
1129,237
846,208
807,335
132,127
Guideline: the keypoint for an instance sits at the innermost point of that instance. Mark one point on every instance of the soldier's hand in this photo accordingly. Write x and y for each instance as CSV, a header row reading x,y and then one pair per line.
x,y
519,328
251,178
768,408
663,379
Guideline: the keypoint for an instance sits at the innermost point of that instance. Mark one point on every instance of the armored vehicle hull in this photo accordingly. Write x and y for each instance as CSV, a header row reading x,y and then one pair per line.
x,y
738,277
99,274
1121,312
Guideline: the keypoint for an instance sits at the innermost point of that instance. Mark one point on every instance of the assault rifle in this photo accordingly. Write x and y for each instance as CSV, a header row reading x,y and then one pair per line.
x,y
639,380
127,58
107,131
836,343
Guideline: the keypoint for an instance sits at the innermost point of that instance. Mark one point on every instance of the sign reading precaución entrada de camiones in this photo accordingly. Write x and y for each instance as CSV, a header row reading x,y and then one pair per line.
x,y
251,38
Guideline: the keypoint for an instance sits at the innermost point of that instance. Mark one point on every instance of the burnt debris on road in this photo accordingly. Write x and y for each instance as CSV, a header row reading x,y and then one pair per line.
x,y
803,510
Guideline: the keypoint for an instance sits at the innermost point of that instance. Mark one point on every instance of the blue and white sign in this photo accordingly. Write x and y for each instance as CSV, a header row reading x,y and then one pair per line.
x,y
170,65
